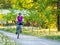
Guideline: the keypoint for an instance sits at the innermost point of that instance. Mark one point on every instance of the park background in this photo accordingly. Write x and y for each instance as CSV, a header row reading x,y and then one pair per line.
x,y
41,17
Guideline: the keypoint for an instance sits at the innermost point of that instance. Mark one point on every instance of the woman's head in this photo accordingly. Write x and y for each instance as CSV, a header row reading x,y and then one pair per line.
x,y
19,13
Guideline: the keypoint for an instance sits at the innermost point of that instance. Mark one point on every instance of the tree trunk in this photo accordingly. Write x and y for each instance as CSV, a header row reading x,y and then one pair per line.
x,y
32,27
58,16
49,27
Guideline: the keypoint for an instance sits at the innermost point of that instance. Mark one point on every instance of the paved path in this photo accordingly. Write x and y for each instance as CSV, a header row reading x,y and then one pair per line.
x,y
30,40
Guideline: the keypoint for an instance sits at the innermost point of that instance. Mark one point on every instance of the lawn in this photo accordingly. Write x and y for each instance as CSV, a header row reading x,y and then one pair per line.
x,y
38,33
4,40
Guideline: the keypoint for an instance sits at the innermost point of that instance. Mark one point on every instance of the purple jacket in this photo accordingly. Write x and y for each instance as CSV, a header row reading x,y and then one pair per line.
x,y
20,18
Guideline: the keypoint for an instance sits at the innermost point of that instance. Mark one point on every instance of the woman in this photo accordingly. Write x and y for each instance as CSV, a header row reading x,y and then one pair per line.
x,y
19,24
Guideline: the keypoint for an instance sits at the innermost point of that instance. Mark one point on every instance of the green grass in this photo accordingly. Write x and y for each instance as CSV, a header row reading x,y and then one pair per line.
x,y
13,30
52,35
4,40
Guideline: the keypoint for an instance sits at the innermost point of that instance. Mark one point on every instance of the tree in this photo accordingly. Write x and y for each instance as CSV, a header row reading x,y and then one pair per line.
x,y
58,16
5,4
37,9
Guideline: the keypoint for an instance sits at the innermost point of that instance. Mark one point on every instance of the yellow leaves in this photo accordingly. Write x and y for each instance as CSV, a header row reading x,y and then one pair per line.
x,y
22,1
1,16
13,6
36,7
49,8
29,1
27,5
43,16
55,7
14,1
46,20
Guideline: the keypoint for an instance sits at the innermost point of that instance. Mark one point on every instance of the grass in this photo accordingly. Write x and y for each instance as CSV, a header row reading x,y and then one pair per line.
x,y
4,40
43,34
53,37
13,30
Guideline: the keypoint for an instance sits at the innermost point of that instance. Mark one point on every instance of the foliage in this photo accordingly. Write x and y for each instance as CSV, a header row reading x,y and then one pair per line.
x,y
4,40
41,10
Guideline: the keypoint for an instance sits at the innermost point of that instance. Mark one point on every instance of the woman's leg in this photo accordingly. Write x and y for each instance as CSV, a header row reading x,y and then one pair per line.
x,y
17,28
20,28
18,31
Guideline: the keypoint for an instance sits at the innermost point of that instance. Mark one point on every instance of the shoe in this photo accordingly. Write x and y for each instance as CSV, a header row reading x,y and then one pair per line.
x,y
16,32
17,37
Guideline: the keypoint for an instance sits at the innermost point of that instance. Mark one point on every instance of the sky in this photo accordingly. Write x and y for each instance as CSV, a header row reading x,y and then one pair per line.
x,y
17,11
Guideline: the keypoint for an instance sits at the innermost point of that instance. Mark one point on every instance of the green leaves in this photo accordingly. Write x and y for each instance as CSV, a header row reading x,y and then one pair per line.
x,y
47,14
